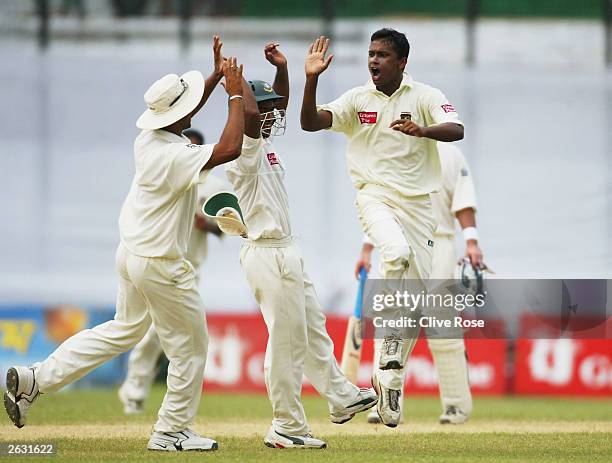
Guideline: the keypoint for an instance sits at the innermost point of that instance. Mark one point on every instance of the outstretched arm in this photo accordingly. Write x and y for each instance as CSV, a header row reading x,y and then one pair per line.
x,y
230,143
281,80
316,63
214,78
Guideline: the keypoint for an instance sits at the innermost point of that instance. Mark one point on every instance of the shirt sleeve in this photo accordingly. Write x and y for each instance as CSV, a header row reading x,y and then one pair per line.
x,y
464,193
343,113
248,160
186,163
438,109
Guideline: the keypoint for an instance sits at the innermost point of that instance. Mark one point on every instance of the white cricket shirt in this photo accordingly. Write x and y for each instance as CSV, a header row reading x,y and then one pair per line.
x,y
197,248
258,180
457,190
379,155
157,216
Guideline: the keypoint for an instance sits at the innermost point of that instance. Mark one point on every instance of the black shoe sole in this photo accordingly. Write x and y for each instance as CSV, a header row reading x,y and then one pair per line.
x,y
12,410
393,365
281,447
12,382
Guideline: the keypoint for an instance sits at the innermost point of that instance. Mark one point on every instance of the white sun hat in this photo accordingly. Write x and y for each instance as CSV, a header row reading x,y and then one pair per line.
x,y
171,98
224,208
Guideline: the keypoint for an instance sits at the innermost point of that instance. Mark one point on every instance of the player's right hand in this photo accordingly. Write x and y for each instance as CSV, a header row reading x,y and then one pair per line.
x,y
233,76
365,261
316,61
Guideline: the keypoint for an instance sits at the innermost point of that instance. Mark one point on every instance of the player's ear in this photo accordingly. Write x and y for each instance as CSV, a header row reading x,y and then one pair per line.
x,y
402,63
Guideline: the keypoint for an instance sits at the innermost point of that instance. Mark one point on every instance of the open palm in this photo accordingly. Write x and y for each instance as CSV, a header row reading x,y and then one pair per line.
x,y
316,61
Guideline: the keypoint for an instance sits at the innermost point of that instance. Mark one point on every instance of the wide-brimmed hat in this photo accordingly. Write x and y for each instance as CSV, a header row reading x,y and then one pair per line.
x,y
171,98
224,208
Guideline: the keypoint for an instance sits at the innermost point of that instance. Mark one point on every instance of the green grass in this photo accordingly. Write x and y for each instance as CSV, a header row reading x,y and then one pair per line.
x,y
354,442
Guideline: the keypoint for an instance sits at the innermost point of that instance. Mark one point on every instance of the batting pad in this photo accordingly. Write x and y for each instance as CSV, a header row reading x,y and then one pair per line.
x,y
224,208
451,365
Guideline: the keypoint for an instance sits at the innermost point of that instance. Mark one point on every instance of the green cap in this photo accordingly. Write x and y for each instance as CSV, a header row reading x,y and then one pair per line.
x,y
263,91
224,208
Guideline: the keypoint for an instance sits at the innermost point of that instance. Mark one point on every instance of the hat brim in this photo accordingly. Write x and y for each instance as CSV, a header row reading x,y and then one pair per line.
x,y
271,96
224,201
183,106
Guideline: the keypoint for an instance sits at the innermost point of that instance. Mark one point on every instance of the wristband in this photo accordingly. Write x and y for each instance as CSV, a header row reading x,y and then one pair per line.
x,y
233,97
470,233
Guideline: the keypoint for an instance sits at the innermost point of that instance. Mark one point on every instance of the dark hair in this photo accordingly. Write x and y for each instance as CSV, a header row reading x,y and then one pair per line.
x,y
193,133
397,40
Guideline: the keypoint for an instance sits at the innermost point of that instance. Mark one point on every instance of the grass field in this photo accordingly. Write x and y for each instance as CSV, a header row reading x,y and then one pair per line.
x,y
88,425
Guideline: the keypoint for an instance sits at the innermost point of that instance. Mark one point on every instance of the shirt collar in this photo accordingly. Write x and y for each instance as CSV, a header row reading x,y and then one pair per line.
x,y
169,136
406,82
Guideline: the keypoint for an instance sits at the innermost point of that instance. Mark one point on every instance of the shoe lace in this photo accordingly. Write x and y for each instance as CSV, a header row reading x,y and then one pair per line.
x,y
392,344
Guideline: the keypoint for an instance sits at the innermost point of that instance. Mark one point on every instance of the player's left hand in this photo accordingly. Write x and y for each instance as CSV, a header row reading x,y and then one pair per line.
x,y
274,56
218,57
473,252
408,127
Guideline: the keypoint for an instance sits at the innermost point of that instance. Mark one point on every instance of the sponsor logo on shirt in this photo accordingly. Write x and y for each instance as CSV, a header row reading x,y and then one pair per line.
x,y
367,117
272,159
406,115
430,243
448,108
191,145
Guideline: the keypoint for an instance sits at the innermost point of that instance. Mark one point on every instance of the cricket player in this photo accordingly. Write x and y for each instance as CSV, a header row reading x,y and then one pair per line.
x,y
456,199
156,282
392,124
298,342
144,358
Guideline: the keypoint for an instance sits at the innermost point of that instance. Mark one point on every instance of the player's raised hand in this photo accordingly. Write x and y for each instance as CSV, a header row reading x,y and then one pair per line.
x,y
408,127
233,76
218,57
274,56
316,61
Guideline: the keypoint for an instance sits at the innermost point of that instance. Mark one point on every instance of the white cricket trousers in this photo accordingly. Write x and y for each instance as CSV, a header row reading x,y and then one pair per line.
x,y
298,342
160,290
142,366
449,354
401,228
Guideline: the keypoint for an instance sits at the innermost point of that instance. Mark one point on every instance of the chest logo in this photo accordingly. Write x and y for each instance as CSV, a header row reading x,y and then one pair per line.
x,y
367,117
448,108
406,115
272,159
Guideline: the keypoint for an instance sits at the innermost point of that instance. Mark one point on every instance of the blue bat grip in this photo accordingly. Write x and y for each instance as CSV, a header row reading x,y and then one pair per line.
x,y
363,275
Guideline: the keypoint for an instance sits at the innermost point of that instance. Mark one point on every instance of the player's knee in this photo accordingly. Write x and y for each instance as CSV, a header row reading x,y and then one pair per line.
x,y
397,257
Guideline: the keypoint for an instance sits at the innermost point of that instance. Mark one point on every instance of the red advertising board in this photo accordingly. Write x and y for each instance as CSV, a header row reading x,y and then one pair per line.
x,y
562,366
238,343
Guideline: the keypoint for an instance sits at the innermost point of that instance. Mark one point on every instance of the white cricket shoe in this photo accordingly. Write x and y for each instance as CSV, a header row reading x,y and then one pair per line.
x,y
391,353
21,393
130,406
389,408
453,415
374,417
279,440
184,440
365,400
